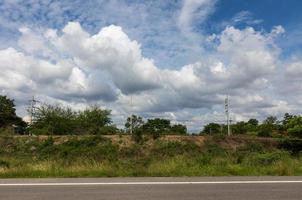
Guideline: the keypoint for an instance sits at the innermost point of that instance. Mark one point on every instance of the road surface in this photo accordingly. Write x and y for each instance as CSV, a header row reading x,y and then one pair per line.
x,y
205,188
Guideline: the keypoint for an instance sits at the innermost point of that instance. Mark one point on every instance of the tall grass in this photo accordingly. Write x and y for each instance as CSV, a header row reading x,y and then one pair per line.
x,y
96,156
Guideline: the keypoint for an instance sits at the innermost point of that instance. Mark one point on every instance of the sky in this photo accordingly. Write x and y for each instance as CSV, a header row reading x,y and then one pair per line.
x,y
176,59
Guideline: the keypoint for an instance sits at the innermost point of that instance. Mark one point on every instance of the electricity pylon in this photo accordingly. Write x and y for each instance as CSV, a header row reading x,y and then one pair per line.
x,y
226,106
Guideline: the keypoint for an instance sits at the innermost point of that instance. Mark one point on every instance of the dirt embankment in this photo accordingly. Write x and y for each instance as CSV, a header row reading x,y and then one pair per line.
x,y
231,143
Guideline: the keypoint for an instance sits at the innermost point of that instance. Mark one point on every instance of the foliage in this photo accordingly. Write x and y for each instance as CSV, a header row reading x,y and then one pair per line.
x,y
296,131
178,129
54,120
58,120
97,156
93,120
292,145
212,128
8,115
265,130
239,128
156,127
137,123
294,126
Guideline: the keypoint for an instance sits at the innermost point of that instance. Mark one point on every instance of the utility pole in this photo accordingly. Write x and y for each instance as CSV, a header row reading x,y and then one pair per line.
x,y
32,107
226,106
131,125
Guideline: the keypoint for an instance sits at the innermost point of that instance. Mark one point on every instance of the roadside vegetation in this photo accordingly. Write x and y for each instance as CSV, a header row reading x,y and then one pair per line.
x,y
62,142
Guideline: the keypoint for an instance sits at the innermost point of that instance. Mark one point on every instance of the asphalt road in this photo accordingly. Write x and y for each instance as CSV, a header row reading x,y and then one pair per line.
x,y
205,188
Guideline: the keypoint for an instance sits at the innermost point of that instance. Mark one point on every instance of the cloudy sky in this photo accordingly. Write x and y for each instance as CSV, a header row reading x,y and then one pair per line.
x,y
178,59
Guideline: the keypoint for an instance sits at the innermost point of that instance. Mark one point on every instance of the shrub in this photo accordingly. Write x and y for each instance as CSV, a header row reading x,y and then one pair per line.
x,y
137,135
251,147
296,131
93,120
292,145
264,159
54,120
265,130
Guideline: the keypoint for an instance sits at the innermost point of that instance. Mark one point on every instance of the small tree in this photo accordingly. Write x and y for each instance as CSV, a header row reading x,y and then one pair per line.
x,y
211,128
55,119
179,129
294,126
157,127
93,119
239,128
137,123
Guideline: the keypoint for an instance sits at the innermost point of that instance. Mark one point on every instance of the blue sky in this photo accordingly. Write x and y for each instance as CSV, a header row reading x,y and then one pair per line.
x,y
142,20
177,58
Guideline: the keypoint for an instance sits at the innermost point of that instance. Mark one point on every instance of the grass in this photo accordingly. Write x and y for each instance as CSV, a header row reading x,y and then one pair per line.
x,y
96,156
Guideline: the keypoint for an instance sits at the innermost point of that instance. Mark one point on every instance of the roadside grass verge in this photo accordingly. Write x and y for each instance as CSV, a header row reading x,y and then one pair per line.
x,y
96,156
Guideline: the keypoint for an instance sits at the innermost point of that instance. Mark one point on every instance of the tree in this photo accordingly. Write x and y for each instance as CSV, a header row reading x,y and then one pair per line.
x,y
269,125
252,125
93,119
212,128
253,122
8,115
272,120
137,123
239,128
294,126
179,129
55,119
157,127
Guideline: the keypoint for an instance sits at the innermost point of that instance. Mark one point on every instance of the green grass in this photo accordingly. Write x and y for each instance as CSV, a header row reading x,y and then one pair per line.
x,y
96,156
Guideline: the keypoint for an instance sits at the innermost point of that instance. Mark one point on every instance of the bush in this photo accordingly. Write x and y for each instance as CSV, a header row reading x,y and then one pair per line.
x,y
137,135
292,145
265,130
252,147
54,120
93,120
296,131
264,159
58,120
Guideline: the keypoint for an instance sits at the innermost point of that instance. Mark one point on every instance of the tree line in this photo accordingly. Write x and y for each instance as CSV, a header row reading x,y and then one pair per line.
x,y
60,120
290,125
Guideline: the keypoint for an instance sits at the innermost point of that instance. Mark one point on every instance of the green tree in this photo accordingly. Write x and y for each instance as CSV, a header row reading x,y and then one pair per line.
x,y
272,120
137,123
178,129
157,127
287,117
239,128
268,127
252,125
212,128
93,120
253,122
8,115
54,120
294,126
